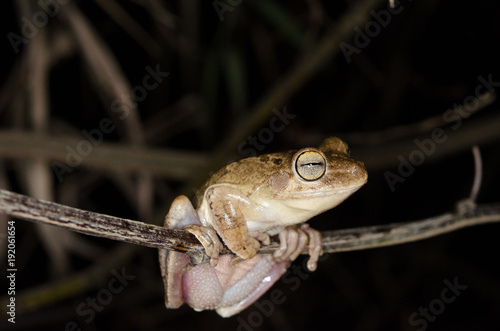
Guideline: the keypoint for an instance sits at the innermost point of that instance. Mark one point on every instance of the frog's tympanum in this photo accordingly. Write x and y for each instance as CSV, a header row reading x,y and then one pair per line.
x,y
244,203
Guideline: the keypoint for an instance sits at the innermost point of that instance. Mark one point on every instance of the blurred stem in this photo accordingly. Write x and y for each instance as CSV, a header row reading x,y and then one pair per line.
x,y
469,132
185,165
281,19
236,78
104,156
320,54
134,29
46,294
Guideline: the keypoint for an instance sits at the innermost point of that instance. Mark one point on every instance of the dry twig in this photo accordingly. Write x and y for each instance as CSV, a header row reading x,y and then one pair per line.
x,y
149,235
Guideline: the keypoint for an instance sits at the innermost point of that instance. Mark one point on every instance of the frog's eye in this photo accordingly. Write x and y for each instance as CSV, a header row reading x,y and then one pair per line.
x,y
310,165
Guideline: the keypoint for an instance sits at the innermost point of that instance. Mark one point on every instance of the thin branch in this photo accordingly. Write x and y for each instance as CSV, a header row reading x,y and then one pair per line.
x,y
149,235
95,224
400,233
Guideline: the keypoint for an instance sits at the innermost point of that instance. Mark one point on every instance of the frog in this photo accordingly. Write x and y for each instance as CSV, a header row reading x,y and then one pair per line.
x,y
241,206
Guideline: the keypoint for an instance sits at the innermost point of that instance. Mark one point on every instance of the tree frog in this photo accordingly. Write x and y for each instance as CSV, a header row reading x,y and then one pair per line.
x,y
244,203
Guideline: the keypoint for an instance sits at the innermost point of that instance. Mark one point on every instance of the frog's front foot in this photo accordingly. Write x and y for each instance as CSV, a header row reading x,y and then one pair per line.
x,y
293,241
260,236
208,238
251,247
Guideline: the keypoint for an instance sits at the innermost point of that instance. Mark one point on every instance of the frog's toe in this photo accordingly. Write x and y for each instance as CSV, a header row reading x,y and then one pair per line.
x,y
209,239
260,236
294,240
249,249
292,243
315,249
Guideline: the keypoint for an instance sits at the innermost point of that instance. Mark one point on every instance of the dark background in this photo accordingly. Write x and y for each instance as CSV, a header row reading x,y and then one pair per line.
x,y
425,61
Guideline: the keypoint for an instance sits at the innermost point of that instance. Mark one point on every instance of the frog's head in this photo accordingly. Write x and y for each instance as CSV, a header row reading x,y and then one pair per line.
x,y
318,179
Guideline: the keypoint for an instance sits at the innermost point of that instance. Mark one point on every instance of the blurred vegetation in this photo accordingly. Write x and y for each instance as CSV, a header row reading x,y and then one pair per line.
x,y
82,124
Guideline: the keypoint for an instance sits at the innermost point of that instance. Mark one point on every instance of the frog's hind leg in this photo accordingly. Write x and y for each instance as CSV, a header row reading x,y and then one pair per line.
x,y
180,214
260,273
174,264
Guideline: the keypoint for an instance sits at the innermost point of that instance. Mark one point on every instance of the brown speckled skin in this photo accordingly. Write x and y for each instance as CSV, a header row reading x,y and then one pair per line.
x,y
244,203
254,174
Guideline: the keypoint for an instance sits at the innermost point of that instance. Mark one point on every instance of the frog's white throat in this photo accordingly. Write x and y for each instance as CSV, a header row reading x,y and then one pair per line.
x,y
288,211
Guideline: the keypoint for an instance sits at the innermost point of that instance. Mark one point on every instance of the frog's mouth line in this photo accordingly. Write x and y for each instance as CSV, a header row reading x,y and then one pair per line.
x,y
299,195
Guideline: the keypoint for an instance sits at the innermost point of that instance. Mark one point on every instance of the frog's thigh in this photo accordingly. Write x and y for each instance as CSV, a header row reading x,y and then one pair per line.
x,y
229,221
173,264
180,214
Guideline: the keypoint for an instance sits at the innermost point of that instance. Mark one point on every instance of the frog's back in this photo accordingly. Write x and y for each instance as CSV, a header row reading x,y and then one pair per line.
x,y
248,174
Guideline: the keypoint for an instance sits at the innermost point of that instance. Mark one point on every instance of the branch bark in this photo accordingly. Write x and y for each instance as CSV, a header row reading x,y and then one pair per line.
x,y
139,233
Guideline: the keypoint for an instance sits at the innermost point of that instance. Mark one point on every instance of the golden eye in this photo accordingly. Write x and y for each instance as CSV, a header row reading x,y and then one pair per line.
x,y
310,165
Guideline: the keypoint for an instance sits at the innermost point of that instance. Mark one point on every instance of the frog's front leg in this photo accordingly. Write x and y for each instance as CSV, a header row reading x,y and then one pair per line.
x,y
182,215
225,213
